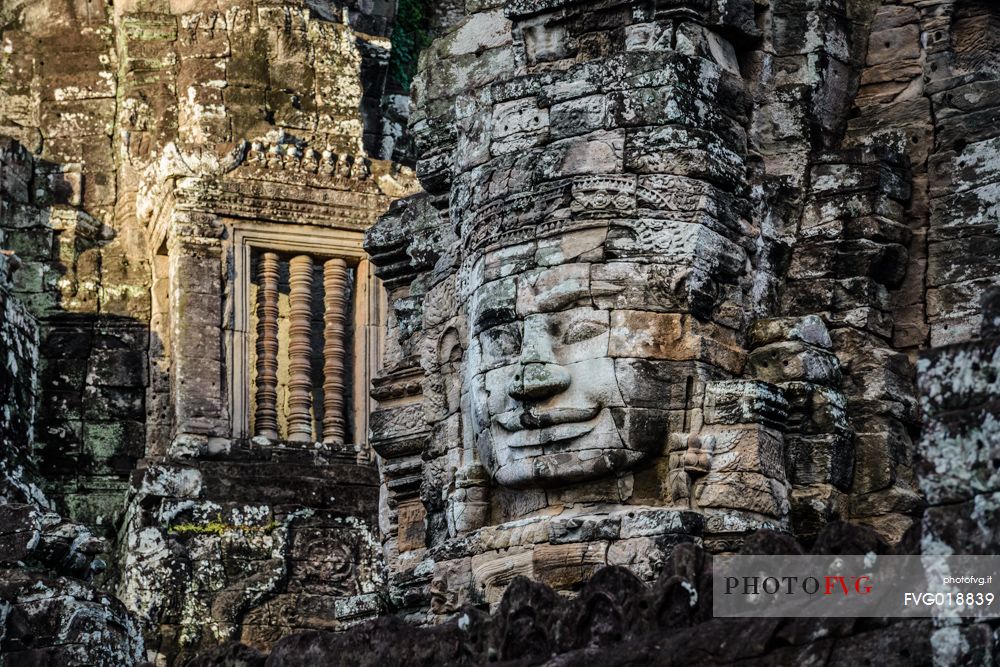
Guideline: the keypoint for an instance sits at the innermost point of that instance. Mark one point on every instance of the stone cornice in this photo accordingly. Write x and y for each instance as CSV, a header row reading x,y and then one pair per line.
x,y
284,182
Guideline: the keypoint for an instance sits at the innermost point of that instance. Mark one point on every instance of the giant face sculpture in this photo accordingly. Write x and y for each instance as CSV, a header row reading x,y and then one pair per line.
x,y
616,193
544,395
582,336
549,408
601,220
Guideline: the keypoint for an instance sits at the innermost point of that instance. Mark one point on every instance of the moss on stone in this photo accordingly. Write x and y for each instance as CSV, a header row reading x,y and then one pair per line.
x,y
219,528
409,37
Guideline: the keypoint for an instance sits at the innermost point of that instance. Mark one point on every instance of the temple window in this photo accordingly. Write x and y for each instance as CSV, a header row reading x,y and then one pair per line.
x,y
305,312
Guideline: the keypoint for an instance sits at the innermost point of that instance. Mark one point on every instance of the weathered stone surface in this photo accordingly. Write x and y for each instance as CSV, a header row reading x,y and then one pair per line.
x,y
607,206
821,459
664,286
615,619
253,548
150,135
810,330
59,620
792,361
744,402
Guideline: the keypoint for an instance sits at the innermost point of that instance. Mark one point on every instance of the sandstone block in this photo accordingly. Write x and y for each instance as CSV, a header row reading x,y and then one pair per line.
x,y
670,336
744,402
820,459
791,361
755,450
748,491
809,329
815,409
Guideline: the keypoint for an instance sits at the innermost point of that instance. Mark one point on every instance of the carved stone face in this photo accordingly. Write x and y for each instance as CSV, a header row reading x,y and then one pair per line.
x,y
548,403
594,251
566,379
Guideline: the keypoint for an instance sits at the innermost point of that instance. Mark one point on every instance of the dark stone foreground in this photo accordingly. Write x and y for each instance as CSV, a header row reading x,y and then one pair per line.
x,y
616,620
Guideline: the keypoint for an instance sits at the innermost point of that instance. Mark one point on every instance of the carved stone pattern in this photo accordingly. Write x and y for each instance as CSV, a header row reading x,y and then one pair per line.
x,y
299,350
295,157
266,418
335,298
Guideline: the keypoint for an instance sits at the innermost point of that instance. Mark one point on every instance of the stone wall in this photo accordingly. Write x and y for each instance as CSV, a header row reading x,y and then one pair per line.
x,y
85,275
18,382
923,92
925,88
48,611
89,430
666,283
959,391
147,139
616,619
249,548
958,454
111,104
693,178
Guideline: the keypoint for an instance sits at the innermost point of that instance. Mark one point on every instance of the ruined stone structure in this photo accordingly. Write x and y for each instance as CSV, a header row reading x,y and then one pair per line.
x,y
646,297
168,164
298,332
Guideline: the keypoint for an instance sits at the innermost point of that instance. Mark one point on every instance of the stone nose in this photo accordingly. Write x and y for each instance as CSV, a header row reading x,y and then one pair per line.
x,y
537,381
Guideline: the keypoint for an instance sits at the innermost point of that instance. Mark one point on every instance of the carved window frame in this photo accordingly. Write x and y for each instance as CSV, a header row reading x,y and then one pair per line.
x,y
369,308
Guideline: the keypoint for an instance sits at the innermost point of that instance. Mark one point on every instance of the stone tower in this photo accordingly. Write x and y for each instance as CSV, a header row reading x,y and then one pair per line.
x,y
316,311
666,281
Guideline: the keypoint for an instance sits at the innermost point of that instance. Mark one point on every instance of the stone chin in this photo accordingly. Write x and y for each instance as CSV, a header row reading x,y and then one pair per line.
x,y
558,455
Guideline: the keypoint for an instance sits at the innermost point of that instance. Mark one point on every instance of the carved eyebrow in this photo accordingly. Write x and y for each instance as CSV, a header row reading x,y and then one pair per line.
x,y
491,307
572,293
573,288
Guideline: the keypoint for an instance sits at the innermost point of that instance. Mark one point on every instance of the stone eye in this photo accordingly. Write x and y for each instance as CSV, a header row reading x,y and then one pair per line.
x,y
502,341
582,330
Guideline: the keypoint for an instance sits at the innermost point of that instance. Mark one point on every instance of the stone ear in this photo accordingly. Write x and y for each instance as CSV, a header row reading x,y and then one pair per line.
x,y
484,448
450,348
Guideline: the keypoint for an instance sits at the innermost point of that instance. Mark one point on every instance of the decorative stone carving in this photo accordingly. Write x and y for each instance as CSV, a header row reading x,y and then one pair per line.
x,y
688,460
300,421
468,500
593,306
335,303
266,417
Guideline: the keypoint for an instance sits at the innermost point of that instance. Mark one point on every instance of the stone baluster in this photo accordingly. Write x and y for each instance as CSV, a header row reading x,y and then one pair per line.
x,y
266,417
335,301
300,350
